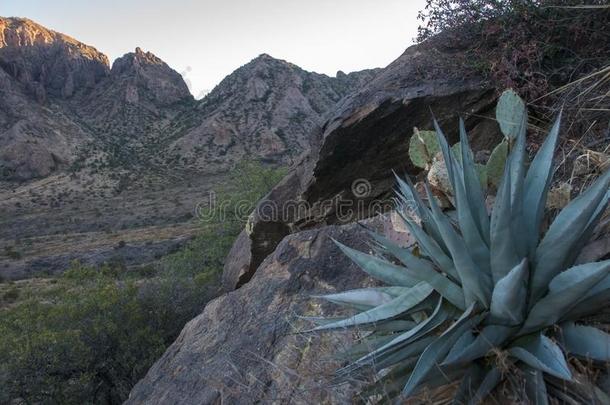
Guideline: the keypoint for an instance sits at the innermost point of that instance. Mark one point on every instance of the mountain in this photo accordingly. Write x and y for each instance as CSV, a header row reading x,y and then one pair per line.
x,y
88,149
266,108
63,106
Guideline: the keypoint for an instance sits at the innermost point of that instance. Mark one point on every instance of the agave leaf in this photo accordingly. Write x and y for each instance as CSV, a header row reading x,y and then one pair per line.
x,y
364,298
516,164
378,268
467,388
441,314
565,290
408,351
535,387
504,253
470,224
461,344
475,284
490,337
430,247
366,345
472,183
542,354
424,270
491,381
537,185
586,341
597,297
509,296
585,236
391,309
438,349
407,193
564,234
510,112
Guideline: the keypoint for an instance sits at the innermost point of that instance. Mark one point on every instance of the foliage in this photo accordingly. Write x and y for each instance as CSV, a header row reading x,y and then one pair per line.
x,y
533,46
89,336
227,215
87,344
484,297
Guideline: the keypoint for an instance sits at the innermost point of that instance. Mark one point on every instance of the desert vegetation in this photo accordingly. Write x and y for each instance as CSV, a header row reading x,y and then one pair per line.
x,y
484,298
89,335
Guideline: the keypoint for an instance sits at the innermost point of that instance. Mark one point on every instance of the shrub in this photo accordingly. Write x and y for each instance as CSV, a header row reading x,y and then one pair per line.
x,y
11,295
533,46
485,298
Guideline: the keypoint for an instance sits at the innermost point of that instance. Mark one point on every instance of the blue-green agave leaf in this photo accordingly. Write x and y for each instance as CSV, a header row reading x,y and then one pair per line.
x,y
542,354
585,341
472,183
391,309
476,284
423,270
441,314
438,349
565,290
537,183
461,344
491,381
597,297
410,197
378,268
535,387
504,255
491,336
469,384
509,296
516,164
364,298
564,234
429,246
415,348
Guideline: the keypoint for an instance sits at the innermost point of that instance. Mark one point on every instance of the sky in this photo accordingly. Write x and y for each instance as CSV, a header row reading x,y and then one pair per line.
x,y
206,40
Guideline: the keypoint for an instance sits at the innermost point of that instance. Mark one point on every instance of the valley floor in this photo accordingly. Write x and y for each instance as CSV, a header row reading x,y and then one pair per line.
x,y
47,224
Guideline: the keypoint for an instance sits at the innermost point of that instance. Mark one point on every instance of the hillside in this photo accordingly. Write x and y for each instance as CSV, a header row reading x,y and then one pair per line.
x,y
102,154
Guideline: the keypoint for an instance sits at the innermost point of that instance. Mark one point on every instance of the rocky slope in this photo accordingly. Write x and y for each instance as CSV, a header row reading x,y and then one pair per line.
x,y
280,260
247,346
37,136
266,108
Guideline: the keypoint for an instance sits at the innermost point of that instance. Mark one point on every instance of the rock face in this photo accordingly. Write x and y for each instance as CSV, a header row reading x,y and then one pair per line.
x,y
246,348
47,62
366,138
266,108
37,65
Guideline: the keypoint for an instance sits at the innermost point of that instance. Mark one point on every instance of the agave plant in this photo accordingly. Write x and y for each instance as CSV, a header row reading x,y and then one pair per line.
x,y
482,296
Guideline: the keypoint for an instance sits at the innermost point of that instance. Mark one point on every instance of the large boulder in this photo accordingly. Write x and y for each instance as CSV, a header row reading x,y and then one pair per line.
x,y
354,154
246,347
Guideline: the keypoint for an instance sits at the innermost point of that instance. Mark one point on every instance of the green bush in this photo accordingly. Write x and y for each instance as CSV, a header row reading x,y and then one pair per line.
x,y
89,343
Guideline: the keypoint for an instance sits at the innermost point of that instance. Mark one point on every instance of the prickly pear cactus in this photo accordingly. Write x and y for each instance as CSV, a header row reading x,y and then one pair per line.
x,y
510,114
423,146
495,164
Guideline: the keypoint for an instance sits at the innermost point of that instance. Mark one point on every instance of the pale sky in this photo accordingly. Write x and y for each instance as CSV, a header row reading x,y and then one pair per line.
x,y
206,40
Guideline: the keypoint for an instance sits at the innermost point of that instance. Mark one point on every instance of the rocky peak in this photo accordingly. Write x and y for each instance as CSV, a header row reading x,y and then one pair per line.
x,y
46,62
143,72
